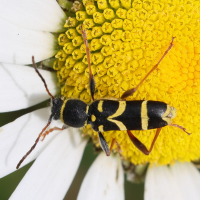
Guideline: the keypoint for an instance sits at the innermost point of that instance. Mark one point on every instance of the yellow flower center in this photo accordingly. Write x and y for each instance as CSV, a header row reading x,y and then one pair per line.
x,y
126,38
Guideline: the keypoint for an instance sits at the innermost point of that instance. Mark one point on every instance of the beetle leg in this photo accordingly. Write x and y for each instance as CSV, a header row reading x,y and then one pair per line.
x,y
131,91
53,129
114,141
141,146
118,147
104,144
176,125
91,77
36,141
112,144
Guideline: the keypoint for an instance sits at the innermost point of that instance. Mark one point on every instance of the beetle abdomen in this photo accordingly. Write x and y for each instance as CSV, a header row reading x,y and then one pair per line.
x,y
155,112
106,115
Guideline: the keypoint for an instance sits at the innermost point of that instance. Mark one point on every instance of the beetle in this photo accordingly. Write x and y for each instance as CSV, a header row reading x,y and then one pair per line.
x,y
106,115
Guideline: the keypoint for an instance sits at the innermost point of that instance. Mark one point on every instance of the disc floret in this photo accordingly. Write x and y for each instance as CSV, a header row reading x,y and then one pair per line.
x,y
126,38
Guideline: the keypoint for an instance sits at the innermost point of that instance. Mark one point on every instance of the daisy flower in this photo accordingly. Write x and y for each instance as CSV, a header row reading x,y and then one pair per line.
x,y
126,38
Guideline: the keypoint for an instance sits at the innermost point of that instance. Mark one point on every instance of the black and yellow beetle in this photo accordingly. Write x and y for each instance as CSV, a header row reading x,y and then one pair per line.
x,y
107,115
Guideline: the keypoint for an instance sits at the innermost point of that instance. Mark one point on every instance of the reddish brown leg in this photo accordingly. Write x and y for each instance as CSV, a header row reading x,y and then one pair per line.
x,y
141,146
53,129
176,125
119,148
114,141
104,144
131,91
112,144
91,77
36,141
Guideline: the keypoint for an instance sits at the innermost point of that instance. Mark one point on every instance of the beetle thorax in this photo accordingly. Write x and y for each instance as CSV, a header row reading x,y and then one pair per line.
x,y
73,113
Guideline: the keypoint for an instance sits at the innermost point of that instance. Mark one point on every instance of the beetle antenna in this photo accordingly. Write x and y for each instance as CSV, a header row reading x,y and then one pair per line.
x,y
182,128
131,91
91,77
36,141
34,65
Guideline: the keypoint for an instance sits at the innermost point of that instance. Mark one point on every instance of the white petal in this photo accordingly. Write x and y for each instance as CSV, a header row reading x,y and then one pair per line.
x,y
187,178
17,137
21,87
104,180
53,171
18,45
160,185
43,15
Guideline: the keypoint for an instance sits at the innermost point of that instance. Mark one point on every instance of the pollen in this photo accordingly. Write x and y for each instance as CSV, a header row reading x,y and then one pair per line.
x,y
126,39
